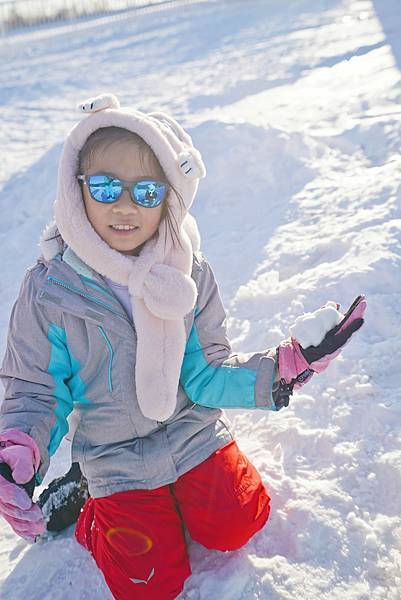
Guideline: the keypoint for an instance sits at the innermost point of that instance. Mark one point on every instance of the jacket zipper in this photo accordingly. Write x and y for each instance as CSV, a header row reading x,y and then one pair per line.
x,y
96,286
88,296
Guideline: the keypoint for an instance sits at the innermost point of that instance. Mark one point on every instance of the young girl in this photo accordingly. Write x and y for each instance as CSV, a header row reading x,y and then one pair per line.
x,y
118,337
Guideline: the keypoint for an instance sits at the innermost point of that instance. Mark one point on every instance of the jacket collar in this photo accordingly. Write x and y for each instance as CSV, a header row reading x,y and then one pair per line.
x,y
69,257
68,270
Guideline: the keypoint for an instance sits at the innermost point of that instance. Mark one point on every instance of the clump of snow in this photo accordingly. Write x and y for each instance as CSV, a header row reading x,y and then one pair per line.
x,y
310,328
57,498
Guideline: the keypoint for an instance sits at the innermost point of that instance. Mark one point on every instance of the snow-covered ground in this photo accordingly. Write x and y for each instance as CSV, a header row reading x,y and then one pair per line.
x,y
296,107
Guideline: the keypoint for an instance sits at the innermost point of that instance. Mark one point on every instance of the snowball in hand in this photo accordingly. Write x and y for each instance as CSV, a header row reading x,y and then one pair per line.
x,y
310,329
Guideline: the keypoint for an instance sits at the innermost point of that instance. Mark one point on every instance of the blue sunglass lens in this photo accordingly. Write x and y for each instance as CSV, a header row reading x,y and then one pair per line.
x,y
149,193
104,188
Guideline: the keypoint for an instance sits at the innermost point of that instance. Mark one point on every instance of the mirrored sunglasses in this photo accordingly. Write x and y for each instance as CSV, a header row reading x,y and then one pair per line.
x,y
107,189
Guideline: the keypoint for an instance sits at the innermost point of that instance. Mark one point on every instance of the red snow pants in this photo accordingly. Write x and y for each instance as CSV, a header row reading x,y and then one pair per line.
x,y
137,537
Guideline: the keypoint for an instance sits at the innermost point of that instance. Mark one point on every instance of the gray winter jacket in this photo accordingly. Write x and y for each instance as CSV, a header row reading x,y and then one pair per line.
x,y
69,365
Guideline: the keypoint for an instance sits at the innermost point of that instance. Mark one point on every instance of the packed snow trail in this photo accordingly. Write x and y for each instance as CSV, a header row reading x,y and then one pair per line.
x,y
296,109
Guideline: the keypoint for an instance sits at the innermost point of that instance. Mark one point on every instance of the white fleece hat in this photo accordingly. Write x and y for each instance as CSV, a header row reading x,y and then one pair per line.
x,y
159,280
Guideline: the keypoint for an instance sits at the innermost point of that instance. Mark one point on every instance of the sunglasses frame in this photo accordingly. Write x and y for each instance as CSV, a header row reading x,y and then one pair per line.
x,y
126,185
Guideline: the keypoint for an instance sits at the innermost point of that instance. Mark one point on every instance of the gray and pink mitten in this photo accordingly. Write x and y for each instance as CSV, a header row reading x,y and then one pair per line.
x,y
297,364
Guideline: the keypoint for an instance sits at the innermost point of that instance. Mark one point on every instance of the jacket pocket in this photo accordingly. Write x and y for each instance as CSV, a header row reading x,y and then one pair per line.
x,y
111,354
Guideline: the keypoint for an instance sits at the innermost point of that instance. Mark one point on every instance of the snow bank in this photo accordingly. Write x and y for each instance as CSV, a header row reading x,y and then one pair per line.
x,y
296,110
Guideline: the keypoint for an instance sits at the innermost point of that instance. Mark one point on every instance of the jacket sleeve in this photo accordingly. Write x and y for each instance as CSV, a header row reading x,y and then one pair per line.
x,y
211,374
35,372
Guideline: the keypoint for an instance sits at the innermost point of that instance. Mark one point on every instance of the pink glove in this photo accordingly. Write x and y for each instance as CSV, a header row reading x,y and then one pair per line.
x,y
297,365
21,453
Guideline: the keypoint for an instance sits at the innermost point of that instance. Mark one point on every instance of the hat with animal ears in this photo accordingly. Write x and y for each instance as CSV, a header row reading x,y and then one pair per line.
x,y
159,279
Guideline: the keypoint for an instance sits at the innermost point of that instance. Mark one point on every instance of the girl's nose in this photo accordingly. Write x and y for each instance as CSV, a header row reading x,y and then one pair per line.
x,y
125,204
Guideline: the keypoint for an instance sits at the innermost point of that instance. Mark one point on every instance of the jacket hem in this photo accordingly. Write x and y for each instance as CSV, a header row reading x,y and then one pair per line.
x,y
113,487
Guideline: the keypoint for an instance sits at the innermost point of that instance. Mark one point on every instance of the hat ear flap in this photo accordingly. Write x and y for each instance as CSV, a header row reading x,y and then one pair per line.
x,y
191,164
100,102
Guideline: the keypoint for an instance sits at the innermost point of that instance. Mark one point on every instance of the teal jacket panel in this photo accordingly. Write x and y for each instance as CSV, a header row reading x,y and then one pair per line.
x,y
212,375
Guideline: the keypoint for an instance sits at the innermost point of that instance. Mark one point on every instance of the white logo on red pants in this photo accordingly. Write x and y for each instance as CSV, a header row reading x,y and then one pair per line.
x,y
143,580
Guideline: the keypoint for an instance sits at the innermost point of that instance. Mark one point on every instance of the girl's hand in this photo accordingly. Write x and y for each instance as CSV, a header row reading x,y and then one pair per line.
x,y
19,459
297,364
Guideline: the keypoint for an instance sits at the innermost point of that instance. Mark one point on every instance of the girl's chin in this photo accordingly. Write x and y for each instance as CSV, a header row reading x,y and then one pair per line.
x,y
127,248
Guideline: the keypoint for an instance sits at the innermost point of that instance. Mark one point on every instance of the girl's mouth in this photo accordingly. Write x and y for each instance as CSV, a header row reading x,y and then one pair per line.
x,y
123,232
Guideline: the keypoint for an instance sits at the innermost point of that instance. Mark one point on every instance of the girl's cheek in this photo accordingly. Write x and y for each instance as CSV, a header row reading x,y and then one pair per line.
x,y
155,219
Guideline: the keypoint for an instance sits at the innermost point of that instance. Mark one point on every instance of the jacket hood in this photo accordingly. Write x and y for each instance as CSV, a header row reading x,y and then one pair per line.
x,y
159,279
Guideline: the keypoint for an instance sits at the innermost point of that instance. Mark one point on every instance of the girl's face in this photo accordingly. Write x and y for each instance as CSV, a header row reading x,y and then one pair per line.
x,y
122,160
